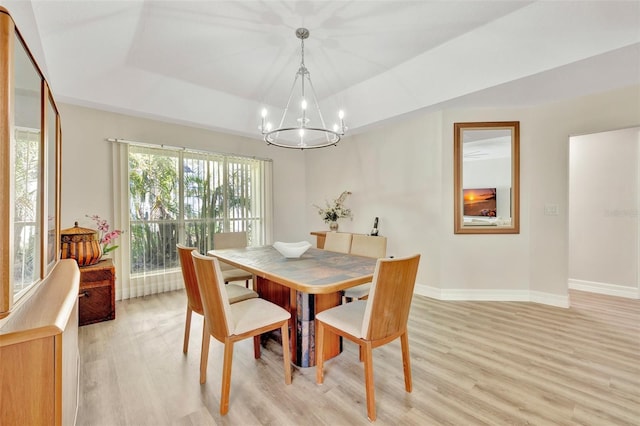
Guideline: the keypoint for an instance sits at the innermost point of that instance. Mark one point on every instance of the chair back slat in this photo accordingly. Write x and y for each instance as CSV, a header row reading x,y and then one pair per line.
x,y
225,240
339,242
190,279
390,297
217,310
369,246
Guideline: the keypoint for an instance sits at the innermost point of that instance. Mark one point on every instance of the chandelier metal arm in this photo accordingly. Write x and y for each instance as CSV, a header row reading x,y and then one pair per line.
x,y
316,104
286,108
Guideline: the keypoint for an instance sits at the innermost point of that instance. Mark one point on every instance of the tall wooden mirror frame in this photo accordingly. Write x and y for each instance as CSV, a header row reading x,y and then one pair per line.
x,y
500,224
47,238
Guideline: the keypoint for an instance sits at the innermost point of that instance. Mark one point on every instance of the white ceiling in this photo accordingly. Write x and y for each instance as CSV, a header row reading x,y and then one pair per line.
x,y
214,64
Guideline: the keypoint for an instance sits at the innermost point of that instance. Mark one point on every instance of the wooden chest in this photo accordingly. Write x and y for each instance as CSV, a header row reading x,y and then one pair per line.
x,y
97,293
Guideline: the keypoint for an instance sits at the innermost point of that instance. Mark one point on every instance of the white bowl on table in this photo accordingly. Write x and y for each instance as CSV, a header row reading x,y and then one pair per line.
x,y
292,250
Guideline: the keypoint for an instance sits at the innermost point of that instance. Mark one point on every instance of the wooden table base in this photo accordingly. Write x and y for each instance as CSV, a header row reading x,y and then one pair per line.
x,y
303,308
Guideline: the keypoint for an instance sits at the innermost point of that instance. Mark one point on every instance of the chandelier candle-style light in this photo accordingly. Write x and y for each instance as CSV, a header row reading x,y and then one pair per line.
x,y
302,125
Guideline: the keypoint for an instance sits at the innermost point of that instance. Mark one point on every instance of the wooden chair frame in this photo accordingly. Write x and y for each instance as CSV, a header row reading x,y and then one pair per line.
x,y
208,271
224,240
385,320
194,302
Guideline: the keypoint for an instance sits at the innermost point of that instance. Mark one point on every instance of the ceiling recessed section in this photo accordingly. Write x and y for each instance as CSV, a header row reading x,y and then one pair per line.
x,y
249,49
214,64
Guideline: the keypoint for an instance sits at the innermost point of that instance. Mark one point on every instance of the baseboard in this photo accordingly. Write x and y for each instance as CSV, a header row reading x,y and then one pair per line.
x,y
427,291
550,299
493,295
605,288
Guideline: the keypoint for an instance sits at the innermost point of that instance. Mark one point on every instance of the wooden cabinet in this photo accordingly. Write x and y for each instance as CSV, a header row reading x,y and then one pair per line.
x,y
97,292
39,353
38,293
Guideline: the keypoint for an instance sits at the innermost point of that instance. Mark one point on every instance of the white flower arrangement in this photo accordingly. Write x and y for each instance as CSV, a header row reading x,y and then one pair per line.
x,y
335,210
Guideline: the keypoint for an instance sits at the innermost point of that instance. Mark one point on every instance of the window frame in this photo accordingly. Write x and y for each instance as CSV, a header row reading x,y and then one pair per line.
x,y
257,223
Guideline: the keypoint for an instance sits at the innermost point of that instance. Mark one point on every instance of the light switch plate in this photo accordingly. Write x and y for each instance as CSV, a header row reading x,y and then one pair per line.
x,y
551,210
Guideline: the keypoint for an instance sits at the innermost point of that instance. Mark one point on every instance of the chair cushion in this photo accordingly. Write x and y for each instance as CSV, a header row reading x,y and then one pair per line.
x,y
347,317
236,275
236,294
255,313
358,291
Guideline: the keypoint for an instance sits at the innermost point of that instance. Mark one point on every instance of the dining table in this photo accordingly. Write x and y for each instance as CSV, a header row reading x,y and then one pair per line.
x,y
303,286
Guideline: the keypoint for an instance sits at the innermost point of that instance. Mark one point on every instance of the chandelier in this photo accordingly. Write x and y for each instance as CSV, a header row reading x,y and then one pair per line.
x,y
302,125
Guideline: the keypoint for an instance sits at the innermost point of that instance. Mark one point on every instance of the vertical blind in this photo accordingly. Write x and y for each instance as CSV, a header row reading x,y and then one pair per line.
x,y
180,196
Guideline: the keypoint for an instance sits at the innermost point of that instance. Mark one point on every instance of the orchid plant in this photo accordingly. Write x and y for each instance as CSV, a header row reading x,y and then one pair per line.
x,y
107,236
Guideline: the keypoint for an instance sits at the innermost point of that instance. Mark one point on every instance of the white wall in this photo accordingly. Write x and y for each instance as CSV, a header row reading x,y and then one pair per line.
x,y
603,212
87,172
403,172
395,174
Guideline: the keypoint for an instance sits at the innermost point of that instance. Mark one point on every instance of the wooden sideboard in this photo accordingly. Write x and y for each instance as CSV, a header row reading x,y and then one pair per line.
x,y
39,353
320,237
97,292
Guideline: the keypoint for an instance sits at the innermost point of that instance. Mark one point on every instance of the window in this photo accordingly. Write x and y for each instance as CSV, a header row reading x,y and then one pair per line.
x,y
179,196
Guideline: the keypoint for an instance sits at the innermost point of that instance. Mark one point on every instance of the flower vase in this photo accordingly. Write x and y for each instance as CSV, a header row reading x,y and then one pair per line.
x,y
333,226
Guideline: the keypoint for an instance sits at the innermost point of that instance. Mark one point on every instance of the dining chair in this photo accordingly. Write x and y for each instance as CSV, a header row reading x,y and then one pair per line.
x,y
229,323
194,302
224,240
374,322
338,241
368,246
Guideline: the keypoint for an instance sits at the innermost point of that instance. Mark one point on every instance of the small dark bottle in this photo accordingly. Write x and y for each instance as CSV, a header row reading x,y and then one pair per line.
x,y
374,231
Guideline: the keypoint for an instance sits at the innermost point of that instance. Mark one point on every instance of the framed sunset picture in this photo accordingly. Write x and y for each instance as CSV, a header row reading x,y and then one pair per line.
x,y
479,202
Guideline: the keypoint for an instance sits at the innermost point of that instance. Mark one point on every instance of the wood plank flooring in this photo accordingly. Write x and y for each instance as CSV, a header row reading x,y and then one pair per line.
x,y
474,363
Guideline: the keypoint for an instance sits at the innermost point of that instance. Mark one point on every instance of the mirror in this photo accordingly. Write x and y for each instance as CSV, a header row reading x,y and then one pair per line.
x,y
487,177
30,148
27,165
51,171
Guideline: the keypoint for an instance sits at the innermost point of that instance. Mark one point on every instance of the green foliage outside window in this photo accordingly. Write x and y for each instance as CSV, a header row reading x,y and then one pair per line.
x,y
185,197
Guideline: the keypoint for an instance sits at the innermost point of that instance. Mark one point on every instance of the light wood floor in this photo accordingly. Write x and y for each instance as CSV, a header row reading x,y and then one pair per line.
x,y
474,363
